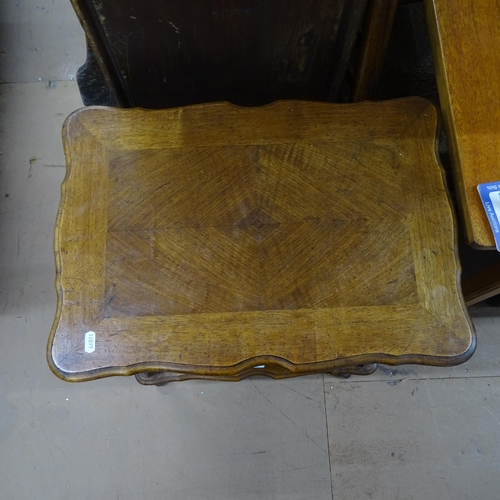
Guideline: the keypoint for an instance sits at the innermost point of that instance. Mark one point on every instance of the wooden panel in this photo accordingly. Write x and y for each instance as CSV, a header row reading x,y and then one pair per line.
x,y
234,207
160,53
298,239
376,33
465,36
482,285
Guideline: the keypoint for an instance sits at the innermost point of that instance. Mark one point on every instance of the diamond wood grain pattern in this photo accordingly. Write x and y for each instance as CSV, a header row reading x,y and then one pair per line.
x,y
206,240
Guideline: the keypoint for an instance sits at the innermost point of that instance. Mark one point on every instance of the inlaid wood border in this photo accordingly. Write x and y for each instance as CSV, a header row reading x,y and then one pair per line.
x,y
437,331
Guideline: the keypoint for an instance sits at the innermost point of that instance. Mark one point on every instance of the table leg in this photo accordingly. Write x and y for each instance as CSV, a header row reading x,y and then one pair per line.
x,y
374,40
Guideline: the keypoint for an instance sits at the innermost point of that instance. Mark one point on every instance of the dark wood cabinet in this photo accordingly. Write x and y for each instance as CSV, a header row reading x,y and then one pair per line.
x,y
164,53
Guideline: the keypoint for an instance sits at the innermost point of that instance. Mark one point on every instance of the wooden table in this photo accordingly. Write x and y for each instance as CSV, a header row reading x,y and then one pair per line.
x,y
465,37
221,242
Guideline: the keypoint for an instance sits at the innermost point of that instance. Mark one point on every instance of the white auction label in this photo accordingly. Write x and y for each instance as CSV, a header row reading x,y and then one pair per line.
x,y
90,342
495,199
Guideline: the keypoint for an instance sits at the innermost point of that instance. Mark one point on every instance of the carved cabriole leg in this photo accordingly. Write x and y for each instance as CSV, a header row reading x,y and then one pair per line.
x,y
162,378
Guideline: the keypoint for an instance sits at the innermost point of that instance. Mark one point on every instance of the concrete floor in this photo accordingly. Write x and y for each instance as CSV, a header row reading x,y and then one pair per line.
x,y
405,433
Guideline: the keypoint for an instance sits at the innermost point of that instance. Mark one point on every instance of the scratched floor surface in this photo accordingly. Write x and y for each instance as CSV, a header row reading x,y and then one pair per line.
x,y
409,432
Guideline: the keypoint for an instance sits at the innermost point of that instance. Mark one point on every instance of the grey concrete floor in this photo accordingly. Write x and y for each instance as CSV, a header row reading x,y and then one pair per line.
x,y
404,433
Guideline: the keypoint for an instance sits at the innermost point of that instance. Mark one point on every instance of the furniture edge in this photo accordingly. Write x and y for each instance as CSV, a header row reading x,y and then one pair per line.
x,y
218,104
271,361
482,239
71,120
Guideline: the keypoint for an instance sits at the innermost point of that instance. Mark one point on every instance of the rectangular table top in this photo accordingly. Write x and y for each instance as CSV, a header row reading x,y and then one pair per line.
x,y
212,239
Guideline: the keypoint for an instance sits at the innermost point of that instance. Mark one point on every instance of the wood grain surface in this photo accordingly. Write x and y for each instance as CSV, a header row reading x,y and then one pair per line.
x,y
211,239
166,53
465,36
375,37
